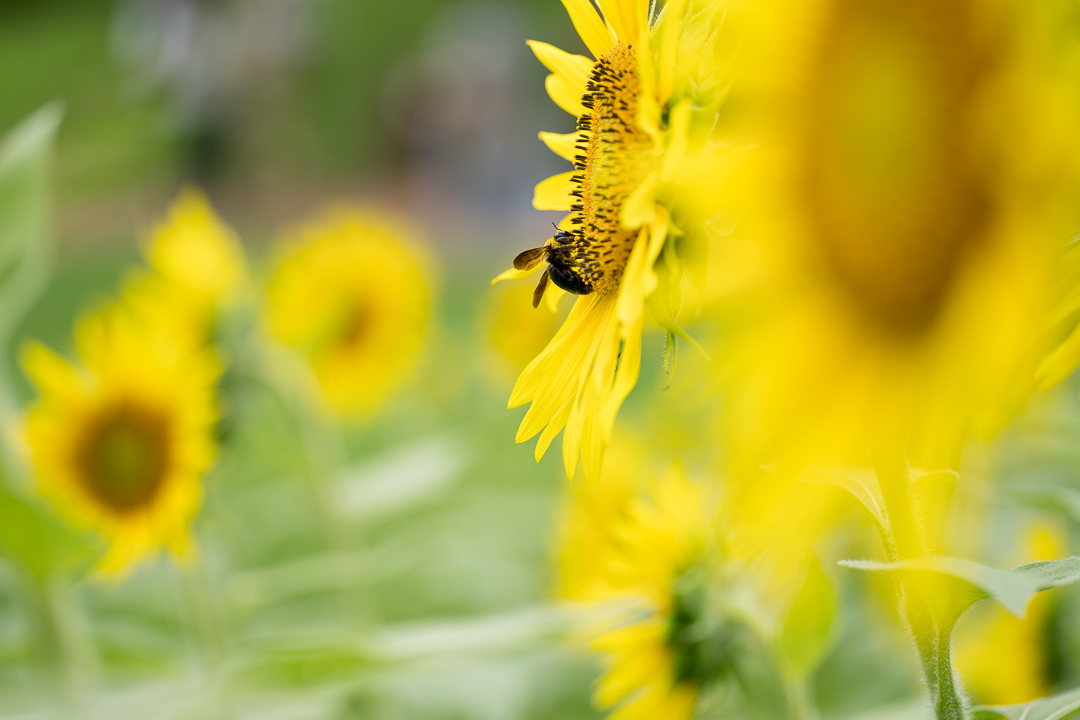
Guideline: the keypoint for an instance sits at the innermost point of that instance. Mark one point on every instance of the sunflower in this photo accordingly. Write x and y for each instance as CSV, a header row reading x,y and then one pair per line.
x,y
655,551
121,443
197,268
912,190
350,296
644,104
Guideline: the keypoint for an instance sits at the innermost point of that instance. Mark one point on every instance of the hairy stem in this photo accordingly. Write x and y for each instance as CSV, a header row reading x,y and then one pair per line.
x,y
907,539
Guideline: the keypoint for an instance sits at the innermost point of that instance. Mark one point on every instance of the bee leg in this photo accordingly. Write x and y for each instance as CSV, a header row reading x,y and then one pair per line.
x,y
538,293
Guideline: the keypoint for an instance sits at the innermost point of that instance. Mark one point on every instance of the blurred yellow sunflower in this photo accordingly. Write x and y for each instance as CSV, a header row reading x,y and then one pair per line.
x,y
350,295
121,443
644,105
590,524
655,551
197,268
913,188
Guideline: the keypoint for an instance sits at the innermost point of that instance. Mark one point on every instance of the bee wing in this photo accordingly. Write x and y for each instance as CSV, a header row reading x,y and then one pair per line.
x,y
530,258
538,293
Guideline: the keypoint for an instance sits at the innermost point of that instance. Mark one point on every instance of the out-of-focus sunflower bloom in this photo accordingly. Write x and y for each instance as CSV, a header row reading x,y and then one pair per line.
x,y
655,550
120,443
1003,659
913,186
590,524
350,296
644,107
197,268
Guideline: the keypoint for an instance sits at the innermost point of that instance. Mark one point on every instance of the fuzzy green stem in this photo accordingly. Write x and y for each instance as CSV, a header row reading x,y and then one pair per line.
x,y
60,651
324,449
205,612
907,540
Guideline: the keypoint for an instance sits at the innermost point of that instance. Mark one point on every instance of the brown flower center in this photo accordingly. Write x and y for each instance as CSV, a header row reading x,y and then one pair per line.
x,y
124,456
896,195
614,160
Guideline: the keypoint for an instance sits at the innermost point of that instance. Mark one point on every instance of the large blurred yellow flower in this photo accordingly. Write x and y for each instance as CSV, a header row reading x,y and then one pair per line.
x,y
121,443
591,520
350,296
643,108
657,552
196,269
914,181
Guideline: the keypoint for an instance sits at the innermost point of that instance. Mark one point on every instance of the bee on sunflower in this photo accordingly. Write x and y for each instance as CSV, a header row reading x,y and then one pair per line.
x,y
350,295
120,444
644,106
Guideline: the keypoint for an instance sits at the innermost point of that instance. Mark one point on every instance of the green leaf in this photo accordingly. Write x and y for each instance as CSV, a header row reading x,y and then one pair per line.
x,y
971,582
35,540
757,672
1056,707
862,483
1050,497
25,255
807,629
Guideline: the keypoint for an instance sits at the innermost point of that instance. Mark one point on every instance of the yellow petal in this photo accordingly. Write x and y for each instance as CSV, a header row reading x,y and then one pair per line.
x,y
553,295
638,277
640,208
515,274
680,703
566,94
597,36
575,68
613,15
51,373
627,17
679,142
562,376
529,380
669,45
557,423
634,17
565,146
629,672
554,193
1060,363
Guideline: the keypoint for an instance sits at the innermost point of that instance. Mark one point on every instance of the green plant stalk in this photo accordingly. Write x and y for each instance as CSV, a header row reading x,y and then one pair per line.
x,y
205,613
906,539
800,701
51,613
323,447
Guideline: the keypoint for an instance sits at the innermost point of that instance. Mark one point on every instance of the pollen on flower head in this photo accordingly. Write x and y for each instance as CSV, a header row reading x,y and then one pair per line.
x,y
613,159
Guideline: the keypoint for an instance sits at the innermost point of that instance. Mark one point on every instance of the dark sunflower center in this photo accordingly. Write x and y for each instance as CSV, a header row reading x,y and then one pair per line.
x,y
701,643
613,161
124,457
897,196
356,324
